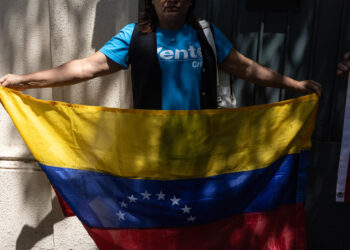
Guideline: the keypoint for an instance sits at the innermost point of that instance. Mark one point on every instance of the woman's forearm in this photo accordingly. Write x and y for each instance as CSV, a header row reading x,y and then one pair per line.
x,y
264,76
251,71
67,74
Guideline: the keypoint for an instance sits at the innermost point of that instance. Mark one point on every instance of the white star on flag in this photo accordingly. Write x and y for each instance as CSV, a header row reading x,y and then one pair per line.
x,y
186,209
175,201
121,215
132,198
146,195
191,219
161,196
123,204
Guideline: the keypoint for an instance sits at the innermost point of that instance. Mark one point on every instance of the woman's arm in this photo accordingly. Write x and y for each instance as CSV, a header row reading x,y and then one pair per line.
x,y
251,71
72,72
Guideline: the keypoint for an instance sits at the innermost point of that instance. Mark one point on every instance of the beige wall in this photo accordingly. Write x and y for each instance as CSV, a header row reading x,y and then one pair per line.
x,y
36,35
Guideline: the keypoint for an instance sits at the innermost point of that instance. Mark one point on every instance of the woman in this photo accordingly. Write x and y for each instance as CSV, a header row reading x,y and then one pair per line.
x,y
173,66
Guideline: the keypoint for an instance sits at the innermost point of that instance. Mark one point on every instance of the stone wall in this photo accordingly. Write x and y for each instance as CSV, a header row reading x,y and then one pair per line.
x,y
36,35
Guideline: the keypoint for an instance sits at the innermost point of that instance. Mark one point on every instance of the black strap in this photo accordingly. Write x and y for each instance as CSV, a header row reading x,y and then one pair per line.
x,y
209,86
145,70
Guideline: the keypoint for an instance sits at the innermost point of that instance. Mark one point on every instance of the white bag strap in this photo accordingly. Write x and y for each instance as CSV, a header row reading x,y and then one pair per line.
x,y
210,38
226,97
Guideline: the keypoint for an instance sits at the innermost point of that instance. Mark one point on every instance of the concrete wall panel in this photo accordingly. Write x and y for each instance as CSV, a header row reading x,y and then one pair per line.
x,y
80,28
25,203
69,234
37,35
24,47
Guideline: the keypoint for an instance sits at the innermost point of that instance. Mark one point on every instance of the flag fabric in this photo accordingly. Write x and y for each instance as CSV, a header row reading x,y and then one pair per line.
x,y
148,179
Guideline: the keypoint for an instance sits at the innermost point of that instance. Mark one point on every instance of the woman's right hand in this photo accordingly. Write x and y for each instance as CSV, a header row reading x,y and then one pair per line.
x,y
13,81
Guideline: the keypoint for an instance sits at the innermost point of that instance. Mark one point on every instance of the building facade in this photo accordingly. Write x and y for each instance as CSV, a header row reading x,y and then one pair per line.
x,y
304,39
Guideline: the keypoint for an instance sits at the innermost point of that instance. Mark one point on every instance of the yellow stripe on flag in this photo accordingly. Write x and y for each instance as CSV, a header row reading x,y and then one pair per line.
x,y
162,145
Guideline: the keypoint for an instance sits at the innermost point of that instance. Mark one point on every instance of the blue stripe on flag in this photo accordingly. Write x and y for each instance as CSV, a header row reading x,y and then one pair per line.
x,y
105,201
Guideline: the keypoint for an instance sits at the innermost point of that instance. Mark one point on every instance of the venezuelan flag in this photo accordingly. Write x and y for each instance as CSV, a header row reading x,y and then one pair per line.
x,y
145,179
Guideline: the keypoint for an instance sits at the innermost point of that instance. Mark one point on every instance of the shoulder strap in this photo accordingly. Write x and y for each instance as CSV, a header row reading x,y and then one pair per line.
x,y
145,70
208,34
225,95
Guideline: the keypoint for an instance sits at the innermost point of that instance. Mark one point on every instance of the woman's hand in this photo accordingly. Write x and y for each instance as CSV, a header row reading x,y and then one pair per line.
x,y
13,81
308,87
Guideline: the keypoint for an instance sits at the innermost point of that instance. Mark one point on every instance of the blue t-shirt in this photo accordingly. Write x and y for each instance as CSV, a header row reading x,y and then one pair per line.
x,y
180,59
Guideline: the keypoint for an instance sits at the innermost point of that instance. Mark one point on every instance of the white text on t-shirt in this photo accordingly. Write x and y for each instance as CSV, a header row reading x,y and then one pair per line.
x,y
179,54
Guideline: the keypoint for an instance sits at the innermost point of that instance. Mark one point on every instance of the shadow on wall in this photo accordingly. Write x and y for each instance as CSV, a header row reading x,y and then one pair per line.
x,y
29,236
22,49
110,17
87,26
107,21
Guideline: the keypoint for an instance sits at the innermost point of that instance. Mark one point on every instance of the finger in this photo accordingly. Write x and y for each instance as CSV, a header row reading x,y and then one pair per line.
x,y
3,83
344,74
317,88
346,63
3,79
339,72
318,92
314,87
347,55
343,67
312,90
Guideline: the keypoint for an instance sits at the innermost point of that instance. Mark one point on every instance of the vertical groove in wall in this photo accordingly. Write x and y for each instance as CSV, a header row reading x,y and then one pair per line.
x,y
50,39
238,23
51,65
141,8
210,10
334,96
313,38
282,92
257,89
50,30
233,35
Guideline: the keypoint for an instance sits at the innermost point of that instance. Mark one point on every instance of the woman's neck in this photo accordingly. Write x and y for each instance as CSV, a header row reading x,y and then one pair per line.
x,y
171,24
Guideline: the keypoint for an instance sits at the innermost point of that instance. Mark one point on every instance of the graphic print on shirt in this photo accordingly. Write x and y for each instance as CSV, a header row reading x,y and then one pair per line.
x,y
180,59
192,53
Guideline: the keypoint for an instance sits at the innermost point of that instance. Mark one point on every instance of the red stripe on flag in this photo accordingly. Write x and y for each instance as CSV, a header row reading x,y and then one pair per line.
x,y
64,206
282,229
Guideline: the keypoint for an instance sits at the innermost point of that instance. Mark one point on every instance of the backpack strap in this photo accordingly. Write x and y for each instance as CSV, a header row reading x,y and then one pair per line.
x,y
225,95
210,38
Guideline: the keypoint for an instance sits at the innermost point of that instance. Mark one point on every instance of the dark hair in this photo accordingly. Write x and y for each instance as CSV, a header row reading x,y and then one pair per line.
x,y
148,20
